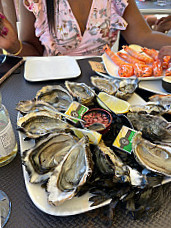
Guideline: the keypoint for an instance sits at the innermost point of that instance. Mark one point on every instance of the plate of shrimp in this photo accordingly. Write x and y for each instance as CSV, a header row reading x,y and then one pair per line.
x,y
135,62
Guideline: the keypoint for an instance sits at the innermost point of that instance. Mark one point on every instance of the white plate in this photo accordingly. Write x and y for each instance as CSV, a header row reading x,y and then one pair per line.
x,y
38,194
153,86
112,70
74,206
51,68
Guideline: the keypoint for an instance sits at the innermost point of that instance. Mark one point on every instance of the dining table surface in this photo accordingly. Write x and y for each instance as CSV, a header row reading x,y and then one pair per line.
x,y
151,7
24,213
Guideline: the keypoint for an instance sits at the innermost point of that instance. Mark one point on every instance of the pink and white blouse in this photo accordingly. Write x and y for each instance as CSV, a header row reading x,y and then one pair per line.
x,y
104,21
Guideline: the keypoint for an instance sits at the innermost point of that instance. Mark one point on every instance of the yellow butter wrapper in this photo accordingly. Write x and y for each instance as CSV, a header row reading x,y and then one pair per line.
x,y
123,140
76,110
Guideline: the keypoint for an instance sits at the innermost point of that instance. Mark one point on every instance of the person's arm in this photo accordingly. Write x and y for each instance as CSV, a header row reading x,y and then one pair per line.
x,y
8,7
31,43
9,40
164,51
138,32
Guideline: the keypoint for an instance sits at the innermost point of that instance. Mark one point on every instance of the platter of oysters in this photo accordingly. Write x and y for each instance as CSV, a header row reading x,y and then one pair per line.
x,y
69,169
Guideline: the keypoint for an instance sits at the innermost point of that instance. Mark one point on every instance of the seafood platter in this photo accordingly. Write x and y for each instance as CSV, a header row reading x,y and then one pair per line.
x,y
135,61
72,164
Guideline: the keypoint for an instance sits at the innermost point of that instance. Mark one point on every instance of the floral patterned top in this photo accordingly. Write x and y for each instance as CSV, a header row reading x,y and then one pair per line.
x,y
104,22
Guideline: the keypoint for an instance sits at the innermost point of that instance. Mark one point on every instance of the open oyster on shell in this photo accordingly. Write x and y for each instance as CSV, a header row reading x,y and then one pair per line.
x,y
154,128
41,160
110,164
34,106
120,88
37,124
55,95
154,157
103,84
80,91
72,173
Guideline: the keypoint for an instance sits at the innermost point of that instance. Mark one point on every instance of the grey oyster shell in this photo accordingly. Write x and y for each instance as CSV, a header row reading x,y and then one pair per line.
x,y
55,95
80,91
153,128
119,88
154,157
37,124
126,88
105,85
110,164
34,106
149,108
72,173
41,160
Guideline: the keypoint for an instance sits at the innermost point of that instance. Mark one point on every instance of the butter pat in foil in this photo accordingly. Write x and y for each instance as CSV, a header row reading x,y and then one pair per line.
x,y
76,110
123,140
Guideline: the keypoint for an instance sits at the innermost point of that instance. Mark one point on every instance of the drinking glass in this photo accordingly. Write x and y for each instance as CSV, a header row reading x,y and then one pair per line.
x,y
5,208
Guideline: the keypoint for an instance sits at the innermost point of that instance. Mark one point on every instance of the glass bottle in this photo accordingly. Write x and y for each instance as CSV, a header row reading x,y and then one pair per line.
x,y
8,144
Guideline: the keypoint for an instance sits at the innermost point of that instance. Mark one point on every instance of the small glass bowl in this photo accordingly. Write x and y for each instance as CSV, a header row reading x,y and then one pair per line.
x,y
97,119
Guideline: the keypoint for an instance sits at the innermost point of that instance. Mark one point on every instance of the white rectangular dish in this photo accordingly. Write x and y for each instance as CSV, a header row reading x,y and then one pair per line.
x,y
51,68
38,194
153,86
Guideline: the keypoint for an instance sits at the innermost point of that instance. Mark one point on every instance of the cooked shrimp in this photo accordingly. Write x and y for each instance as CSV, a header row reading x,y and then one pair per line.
x,y
151,52
114,57
139,56
125,69
168,71
129,58
165,63
157,68
142,70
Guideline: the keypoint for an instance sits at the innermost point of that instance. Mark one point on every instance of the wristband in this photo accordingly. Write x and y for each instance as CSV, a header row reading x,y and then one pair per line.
x,y
17,53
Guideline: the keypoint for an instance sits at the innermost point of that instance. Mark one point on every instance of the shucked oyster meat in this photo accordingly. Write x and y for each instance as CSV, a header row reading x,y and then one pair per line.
x,y
55,95
34,106
73,172
152,156
154,128
120,88
103,84
36,124
41,160
80,91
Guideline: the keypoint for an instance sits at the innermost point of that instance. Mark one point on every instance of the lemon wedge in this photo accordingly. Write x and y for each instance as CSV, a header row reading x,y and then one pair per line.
x,y
136,47
117,105
94,136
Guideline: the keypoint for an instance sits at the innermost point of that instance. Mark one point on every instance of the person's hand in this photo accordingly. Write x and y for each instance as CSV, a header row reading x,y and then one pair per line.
x,y
163,24
8,36
164,51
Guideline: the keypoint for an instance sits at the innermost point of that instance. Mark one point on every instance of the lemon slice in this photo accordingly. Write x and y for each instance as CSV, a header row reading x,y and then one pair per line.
x,y
94,136
136,47
117,105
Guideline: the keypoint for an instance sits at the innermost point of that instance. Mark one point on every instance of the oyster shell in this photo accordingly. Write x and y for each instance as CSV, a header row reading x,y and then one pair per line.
x,y
126,88
110,164
154,157
34,106
55,95
36,124
164,100
149,108
41,160
71,173
119,88
80,91
154,128
105,85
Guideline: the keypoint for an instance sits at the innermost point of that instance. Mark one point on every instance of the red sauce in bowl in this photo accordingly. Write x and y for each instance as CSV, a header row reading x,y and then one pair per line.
x,y
97,116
